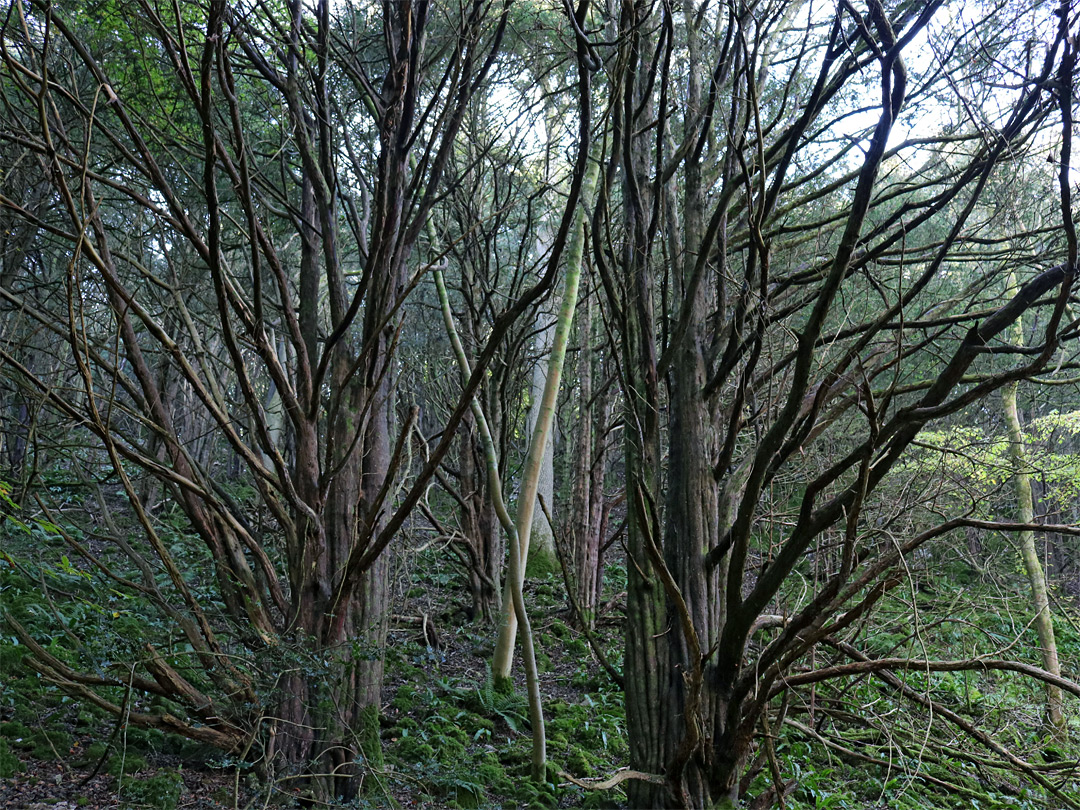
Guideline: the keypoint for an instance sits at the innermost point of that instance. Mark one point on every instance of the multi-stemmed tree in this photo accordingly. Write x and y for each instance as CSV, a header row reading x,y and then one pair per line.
x,y
234,195
789,190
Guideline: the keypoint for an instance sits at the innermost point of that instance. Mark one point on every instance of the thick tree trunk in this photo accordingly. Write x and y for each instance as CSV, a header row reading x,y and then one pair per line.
x,y
329,706
648,622
694,710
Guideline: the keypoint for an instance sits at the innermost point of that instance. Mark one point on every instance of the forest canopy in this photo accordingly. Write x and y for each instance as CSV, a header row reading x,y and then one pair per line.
x,y
649,403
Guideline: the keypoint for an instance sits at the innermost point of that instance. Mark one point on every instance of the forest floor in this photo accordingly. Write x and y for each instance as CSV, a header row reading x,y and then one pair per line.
x,y
55,786
449,738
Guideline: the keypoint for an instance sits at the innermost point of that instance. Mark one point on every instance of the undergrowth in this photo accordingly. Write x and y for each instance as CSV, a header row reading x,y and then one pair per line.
x,y
452,740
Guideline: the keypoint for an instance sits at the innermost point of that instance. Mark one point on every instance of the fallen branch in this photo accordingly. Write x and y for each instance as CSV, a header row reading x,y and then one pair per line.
x,y
614,781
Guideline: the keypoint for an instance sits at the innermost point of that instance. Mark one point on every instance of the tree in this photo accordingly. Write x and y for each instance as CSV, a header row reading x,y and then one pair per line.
x,y
794,366
208,191
218,232
1026,514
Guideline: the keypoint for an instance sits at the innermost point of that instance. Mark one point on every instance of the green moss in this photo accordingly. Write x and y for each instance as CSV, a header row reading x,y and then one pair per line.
x,y
472,724
491,773
14,731
85,718
466,797
541,564
579,762
450,751
192,751
561,630
458,734
9,763
25,712
597,800
536,794
29,686
503,686
558,740
413,749
146,739
583,679
576,647
367,735
161,791
11,657
517,754
120,765
410,672
90,755
405,699
50,745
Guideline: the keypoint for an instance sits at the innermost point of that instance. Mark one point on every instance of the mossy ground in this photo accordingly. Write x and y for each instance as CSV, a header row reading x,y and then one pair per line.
x,y
449,737
462,741
446,737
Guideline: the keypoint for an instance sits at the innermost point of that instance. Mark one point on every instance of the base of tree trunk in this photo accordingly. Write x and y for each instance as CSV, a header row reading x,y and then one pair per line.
x,y
542,561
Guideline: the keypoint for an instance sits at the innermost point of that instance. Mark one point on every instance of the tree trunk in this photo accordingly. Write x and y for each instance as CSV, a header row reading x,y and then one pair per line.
x,y
542,558
647,617
481,527
1044,624
531,473
589,467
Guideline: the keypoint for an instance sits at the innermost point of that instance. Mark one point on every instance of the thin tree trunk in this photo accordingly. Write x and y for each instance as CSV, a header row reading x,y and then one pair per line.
x,y
1044,625
515,575
542,558
481,526
504,646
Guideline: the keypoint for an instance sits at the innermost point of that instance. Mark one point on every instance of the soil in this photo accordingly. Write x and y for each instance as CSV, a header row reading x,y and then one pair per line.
x,y
54,786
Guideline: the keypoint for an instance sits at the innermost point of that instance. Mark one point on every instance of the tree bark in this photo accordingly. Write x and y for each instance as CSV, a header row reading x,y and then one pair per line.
x,y
589,467
1025,502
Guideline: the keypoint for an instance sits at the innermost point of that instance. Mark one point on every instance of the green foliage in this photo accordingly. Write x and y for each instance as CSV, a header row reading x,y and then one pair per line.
x,y
453,785
162,791
50,744
9,762
905,741
981,460
125,764
466,744
456,743
587,735
511,708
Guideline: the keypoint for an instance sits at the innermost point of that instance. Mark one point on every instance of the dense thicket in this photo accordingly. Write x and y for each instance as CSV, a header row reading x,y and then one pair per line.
x,y
279,282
